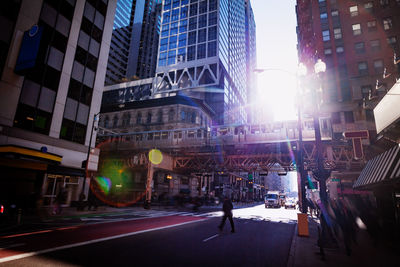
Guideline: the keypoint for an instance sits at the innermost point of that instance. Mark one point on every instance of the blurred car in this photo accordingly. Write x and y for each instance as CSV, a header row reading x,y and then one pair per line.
x,y
290,203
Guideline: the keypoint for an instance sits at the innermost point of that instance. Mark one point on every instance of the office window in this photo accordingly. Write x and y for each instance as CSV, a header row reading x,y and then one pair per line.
x,y
323,16
184,12
359,47
371,25
183,26
175,3
353,11
363,68
212,18
171,115
339,49
384,2
193,23
192,38
337,32
328,51
162,61
368,5
335,13
175,15
392,40
202,7
378,66
356,29
202,35
191,53
212,49
201,51
167,4
387,23
325,35
166,17
163,44
375,45
174,28
171,57
172,42
203,21
193,10
182,40
165,30
212,33
348,117
181,54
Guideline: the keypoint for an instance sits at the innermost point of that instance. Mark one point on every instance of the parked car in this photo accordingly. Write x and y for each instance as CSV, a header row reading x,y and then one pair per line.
x,y
290,203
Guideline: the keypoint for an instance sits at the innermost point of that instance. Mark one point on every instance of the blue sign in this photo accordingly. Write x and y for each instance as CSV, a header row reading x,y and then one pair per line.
x,y
29,50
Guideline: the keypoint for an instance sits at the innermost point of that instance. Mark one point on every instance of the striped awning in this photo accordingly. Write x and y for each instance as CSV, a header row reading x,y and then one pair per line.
x,y
383,168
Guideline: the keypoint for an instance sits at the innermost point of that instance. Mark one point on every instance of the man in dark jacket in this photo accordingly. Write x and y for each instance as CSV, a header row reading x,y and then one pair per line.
x,y
227,208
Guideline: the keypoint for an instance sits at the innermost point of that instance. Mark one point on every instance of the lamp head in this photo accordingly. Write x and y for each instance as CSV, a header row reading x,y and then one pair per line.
x,y
320,66
302,69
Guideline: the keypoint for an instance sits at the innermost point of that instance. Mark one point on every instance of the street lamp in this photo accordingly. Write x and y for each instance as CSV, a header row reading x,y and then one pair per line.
x,y
95,118
320,173
302,71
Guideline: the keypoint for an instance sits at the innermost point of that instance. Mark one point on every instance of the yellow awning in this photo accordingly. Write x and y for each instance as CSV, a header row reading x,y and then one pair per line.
x,y
30,152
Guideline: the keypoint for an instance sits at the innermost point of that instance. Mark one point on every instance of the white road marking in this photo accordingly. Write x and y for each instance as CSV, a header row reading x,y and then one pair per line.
x,y
211,237
30,254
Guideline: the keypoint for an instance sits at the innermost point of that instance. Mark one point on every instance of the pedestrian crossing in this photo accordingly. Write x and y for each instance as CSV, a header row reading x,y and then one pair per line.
x,y
137,214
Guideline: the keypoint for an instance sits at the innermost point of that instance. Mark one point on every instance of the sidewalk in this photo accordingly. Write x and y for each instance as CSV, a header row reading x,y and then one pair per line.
x,y
305,252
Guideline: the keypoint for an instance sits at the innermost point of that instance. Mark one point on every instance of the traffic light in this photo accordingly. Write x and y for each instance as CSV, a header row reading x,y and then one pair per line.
x,y
250,177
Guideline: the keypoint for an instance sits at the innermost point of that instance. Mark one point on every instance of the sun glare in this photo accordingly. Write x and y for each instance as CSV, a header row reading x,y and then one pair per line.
x,y
276,94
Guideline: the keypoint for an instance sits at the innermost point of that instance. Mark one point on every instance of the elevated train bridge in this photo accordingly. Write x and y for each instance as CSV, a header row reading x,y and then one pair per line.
x,y
234,148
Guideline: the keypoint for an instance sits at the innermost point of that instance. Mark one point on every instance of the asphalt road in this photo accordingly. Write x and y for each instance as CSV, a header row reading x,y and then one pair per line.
x,y
263,238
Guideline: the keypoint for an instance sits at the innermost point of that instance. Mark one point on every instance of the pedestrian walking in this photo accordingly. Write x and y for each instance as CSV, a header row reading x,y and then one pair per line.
x,y
227,209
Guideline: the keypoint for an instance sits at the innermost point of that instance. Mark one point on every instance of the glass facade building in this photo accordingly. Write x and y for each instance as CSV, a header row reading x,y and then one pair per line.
x,y
134,43
202,54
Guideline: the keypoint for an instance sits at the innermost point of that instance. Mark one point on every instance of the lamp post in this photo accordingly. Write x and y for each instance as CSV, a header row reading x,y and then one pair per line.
x,y
95,118
302,71
320,173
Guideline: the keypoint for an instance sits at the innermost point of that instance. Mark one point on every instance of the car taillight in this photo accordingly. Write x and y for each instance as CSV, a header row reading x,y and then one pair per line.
x,y
1,209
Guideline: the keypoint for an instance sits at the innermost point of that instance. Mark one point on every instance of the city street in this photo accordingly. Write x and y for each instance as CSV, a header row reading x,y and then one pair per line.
x,y
263,238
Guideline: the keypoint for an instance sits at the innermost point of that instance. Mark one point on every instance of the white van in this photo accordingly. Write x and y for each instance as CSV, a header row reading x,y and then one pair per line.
x,y
272,199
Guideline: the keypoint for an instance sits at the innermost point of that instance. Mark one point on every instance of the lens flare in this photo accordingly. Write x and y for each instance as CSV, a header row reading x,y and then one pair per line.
x,y
155,156
104,184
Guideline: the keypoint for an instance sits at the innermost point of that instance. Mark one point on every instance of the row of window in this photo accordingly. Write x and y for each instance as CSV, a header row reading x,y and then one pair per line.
x,y
354,10
194,23
39,90
181,55
195,8
356,28
80,90
359,47
184,116
191,38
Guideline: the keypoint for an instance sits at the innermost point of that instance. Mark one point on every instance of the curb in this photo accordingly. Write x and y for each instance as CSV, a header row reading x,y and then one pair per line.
x,y
292,251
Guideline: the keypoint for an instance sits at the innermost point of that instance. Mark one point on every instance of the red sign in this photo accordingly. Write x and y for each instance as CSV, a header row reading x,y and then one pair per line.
x,y
356,134
356,137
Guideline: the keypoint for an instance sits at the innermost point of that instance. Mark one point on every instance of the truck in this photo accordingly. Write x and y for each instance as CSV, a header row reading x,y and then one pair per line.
x,y
271,199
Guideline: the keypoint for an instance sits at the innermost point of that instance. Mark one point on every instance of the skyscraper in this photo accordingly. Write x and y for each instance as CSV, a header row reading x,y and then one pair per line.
x,y
202,54
359,42
51,85
133,50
